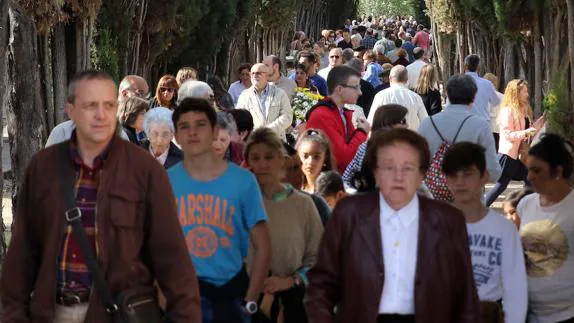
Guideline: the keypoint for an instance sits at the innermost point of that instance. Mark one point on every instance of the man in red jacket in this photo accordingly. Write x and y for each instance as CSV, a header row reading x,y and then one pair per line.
x,y
331,116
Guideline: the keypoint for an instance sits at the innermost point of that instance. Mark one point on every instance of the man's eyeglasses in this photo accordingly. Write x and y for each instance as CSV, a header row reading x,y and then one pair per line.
x,y
335,56
354,87
166,89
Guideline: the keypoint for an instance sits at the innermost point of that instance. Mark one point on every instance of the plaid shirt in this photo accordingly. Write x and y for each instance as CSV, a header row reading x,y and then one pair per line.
x,y
73,273
368,42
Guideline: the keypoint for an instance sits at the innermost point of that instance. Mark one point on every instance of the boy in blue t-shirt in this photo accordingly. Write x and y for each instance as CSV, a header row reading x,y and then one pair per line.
x,y
220,207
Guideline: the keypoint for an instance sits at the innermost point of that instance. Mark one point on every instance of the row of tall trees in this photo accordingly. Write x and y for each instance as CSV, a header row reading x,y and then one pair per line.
x,y
528,39
45,42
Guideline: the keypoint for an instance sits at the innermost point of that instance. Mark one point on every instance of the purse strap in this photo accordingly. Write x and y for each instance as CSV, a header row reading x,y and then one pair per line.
x,y
73,217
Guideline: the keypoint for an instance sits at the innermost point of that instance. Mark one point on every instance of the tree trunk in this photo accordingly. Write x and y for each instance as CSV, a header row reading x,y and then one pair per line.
x,y
4,35
25,125
570,5
537,44
59,71
47,81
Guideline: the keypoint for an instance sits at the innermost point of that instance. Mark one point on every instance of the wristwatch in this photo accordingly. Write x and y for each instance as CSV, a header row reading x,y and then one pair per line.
x,y
250,307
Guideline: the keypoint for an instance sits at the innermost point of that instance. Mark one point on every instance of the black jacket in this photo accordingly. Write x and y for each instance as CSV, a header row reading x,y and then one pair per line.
x,y
174,155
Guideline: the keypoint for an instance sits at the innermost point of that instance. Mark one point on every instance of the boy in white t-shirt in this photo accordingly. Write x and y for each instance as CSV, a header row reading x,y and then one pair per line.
x,y
496,250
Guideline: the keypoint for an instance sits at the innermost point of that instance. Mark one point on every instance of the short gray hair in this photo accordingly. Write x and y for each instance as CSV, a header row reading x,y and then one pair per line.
x,y
399,74
194,89
379,49
356,36
159,115
225,121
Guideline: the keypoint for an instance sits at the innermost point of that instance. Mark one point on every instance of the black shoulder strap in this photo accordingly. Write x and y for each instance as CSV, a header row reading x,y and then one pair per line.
x,y
436,129
460,128
74,217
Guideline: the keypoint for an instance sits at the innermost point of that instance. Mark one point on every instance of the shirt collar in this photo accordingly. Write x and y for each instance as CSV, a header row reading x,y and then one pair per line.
x,y
77,158
161,158
264,92
407,215
475,74
399,85
458,107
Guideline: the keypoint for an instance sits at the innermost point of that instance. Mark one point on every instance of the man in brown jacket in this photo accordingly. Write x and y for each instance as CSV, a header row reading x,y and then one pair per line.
x,y
135,233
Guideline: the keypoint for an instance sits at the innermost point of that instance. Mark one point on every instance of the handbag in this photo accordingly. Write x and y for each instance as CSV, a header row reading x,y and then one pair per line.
x,y
523,150
139,304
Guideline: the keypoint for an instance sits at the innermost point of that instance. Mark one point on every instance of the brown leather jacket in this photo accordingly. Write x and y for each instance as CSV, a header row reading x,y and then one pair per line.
x,y
349,272
133,187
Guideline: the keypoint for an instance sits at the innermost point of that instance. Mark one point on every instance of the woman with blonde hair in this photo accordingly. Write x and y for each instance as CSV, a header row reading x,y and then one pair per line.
x,y
165,93
294,227
427,88
516,128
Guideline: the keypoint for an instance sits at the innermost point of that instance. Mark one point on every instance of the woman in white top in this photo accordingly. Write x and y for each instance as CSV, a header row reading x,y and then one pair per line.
x,y
547,231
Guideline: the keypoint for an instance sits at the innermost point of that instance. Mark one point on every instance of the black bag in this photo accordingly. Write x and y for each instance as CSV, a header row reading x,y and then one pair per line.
x,y
135,305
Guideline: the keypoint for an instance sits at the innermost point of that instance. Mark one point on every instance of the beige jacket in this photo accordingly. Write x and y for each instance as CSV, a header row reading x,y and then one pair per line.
x,y
278,114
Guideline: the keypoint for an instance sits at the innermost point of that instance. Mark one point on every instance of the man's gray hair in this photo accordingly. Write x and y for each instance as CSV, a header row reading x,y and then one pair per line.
x,y
194,89
348,54
158,116
379,50
225,121
399,74
355,64
356,36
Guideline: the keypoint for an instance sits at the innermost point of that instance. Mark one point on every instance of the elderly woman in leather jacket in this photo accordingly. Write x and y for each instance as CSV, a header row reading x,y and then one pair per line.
x,y
389,255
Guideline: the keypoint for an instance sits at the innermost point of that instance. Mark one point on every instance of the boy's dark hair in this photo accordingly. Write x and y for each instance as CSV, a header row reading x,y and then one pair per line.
x,y
556,151
515,197
194,105
464,155
329,183
243,119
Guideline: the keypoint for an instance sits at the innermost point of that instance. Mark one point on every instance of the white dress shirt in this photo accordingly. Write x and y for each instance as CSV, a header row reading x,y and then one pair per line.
x,y
414,70
399,234
324,73
485,96
399,94
161,158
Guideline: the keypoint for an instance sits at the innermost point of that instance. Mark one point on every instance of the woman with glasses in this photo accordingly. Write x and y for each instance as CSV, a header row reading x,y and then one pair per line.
x,y
165,93
294,227
131,116
547,231
516,129
159,130
316,155
390,255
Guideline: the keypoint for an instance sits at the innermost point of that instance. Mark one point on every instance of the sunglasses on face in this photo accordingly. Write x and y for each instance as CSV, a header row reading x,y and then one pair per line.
x,y
335,56
167,89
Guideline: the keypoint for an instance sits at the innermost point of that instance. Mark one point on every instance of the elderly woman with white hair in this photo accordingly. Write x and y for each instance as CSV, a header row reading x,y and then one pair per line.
x,y
159,129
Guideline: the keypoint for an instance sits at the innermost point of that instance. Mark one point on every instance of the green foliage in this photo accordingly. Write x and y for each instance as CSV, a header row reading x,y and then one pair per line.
x,y
277,13
556,104
105,56
387,7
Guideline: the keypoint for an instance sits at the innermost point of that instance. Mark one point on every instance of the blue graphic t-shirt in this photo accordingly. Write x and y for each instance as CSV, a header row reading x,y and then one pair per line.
x,y
216,218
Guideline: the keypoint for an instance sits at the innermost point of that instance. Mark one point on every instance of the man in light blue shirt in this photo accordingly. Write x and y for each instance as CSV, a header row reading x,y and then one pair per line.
x,y
486,93
461,91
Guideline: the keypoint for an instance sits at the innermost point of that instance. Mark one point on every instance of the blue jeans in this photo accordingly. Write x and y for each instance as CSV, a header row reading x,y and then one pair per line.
x,y
207,311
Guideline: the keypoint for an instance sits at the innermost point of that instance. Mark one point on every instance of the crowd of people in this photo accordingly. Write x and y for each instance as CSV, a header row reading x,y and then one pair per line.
x,y
349,189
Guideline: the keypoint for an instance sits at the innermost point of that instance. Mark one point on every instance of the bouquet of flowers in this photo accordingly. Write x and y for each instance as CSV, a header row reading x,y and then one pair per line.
x,y
302,102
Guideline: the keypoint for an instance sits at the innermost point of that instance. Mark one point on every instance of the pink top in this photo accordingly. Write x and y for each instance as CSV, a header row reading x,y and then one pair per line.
x,y
422,40
512,132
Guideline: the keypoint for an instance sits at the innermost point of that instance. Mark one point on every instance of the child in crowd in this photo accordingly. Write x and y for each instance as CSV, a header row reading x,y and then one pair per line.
x,y
511,203
496,250
330,186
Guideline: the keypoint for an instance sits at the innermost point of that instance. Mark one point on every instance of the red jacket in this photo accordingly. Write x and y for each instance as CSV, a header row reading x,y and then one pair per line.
x,y
326,117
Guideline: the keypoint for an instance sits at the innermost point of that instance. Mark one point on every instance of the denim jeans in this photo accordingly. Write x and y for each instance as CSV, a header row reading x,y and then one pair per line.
x,y
207,311
71,314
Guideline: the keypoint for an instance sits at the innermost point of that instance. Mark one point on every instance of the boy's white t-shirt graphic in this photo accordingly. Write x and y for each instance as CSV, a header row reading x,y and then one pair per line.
x,y
498,264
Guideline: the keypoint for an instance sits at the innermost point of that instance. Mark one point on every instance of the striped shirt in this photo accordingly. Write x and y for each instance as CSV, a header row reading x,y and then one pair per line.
x,y
73,272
